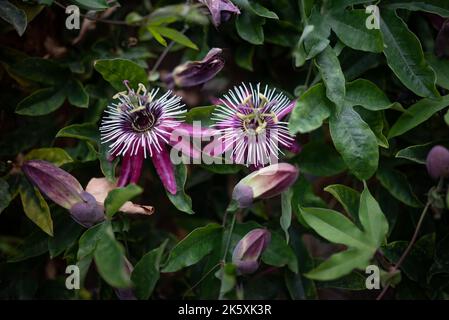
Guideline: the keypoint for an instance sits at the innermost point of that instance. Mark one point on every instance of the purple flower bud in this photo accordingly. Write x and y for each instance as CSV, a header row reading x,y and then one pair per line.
x,y
264,183
194,73
220,10
249,249
87,212
55,183
63,189
437,162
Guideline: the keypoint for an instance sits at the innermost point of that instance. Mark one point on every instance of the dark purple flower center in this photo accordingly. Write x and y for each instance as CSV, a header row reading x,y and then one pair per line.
x,y
143,121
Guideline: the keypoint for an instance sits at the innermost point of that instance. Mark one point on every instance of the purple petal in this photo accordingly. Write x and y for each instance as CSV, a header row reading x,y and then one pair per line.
x,y
136,166
287,110
165,169
125,171
293,147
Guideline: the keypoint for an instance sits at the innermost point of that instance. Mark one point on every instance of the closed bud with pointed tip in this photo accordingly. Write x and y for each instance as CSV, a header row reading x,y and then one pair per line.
x,y
193,73
63,189
55,183
249,249
220,10
264,183
437,162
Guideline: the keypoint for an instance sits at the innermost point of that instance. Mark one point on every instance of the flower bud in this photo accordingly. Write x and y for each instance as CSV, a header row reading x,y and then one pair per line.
x,y
55,183
249,249
220,10
437,162
264,183
194,73
63,189
87,212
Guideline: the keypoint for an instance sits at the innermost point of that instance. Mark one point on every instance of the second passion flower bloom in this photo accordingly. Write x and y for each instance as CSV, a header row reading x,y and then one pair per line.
x,y
140,125
250,124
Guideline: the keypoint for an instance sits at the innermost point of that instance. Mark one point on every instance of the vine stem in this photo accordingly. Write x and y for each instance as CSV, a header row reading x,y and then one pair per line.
x,y
407,250
228,243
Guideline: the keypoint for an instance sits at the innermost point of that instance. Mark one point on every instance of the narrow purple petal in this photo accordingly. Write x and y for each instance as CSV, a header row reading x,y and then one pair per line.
x,y
287,110
125,171
165,169
136,166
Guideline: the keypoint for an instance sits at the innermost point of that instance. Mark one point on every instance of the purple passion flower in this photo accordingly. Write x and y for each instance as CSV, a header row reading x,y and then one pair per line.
x,y
138,126
249,121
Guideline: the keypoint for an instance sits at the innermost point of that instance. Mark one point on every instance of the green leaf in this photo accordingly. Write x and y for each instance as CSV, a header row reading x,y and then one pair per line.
x,y
417,114
441,68
39,70
320,159
66,234
286,216
195,246
355,141
84,131
333,77
255,8
88,241
347,197
317,40
417,153
311,109
405,56
116,198
181,200
249,27
92,4
227,275
176,36
41,102
34,245
351,30
110,260
57,156
340,264
202,114
335,227
115,71
439,7
157,36
335,5
5,196
279,254
146,273
366,94
77,95
14,16
375,120
372,218
35,207
397,184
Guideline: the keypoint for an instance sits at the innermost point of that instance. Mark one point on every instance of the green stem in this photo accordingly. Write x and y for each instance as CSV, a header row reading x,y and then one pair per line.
x,y
407,250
